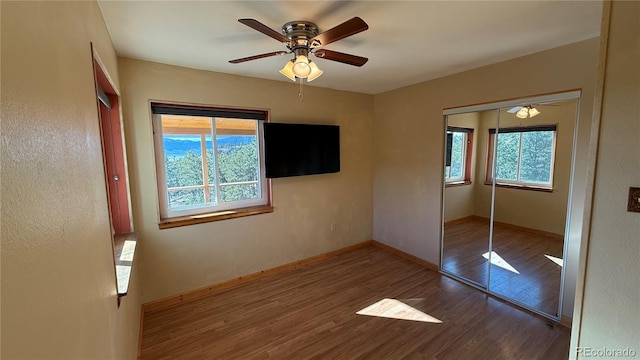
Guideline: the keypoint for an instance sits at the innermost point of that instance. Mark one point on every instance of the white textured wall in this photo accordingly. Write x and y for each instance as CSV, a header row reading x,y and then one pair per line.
x,y
185,258
58,277
408,142
611,307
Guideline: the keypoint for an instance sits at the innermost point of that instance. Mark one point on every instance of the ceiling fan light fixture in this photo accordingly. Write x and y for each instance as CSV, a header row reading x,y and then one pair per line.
x,y
315,71
523,113
287,71
301,66
533,112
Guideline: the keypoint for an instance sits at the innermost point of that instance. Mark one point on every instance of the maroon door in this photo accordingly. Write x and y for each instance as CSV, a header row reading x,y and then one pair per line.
x,y
115,166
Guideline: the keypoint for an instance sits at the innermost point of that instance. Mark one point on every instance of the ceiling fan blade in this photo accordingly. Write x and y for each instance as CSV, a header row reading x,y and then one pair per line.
x,y
255,57
514,110
341,57
257,25
347,28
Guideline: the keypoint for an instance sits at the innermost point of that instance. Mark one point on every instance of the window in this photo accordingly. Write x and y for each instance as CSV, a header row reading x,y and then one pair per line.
x,y
525,156
458,155
208,160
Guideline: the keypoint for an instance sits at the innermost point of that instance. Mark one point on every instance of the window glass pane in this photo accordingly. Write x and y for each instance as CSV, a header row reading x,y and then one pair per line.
x,y
183,160
457,155
507,156
239,192
537,148
238,160
182,138
180,198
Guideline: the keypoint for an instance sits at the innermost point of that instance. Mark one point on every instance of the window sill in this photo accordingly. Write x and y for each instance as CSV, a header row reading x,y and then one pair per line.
x,y
521,187
124,247
216,216
457,183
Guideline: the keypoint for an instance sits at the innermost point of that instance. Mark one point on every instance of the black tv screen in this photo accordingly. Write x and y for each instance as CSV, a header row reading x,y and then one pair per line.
x,y
301,149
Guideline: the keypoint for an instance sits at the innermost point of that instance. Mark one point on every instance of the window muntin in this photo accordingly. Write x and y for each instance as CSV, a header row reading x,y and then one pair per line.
x,y
525,156
206,163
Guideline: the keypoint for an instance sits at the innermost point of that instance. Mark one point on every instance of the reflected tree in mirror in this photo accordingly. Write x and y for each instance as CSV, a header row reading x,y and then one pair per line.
x,y
537,155
525,156
508,150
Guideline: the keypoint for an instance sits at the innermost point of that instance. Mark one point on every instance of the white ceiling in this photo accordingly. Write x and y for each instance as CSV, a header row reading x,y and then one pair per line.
x,y
407,42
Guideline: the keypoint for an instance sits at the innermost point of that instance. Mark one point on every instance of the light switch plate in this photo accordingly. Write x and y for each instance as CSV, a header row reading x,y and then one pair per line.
x,y
634,199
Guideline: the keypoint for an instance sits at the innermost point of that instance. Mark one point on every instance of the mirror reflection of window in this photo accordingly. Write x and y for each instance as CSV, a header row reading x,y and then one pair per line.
x,y
453,172
525,156
458,155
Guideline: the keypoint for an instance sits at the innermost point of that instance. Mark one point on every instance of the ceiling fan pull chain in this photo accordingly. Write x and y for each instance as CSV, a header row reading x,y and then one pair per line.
x,y
301,93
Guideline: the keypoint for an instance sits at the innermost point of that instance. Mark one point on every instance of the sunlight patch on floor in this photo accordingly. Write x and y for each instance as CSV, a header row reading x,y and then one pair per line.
x,y
556,260
497,260
396,309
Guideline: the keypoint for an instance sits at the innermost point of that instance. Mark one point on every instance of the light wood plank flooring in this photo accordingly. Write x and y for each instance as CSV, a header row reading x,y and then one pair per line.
x,y
310,313
525,270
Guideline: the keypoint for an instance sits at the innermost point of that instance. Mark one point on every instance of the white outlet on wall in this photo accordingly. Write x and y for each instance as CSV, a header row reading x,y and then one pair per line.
x,y
333,226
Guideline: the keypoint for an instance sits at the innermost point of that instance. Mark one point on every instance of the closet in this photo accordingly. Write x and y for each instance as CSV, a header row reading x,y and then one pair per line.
x,y
507,184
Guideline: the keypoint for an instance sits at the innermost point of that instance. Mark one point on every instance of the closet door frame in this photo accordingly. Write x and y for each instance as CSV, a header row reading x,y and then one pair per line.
x,y
498,105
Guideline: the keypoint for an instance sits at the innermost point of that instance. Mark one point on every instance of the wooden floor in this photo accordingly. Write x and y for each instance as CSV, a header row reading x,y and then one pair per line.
x,y
310,313
524,270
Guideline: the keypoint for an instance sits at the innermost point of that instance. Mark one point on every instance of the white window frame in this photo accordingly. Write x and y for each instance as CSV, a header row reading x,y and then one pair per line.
x,y
519,183
206,208
462,177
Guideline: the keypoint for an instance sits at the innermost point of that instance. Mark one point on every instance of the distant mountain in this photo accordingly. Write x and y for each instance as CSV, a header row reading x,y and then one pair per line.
x,y
179,147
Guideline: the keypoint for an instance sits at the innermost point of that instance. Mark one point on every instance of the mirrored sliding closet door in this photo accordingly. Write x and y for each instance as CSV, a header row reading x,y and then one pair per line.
x,y
507,181
465,243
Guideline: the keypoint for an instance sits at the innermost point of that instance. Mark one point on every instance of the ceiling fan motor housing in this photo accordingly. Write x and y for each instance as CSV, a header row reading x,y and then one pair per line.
x,y
300,32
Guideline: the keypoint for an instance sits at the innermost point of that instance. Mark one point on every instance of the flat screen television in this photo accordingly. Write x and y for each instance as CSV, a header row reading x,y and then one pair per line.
x,y
301,149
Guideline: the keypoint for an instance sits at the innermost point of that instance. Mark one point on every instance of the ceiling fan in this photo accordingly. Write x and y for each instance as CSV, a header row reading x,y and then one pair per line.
x,y
303,38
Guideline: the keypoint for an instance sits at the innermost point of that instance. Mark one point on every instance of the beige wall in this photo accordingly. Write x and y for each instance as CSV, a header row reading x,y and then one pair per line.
x,y
182,259
610,312
482,192
58,277
408,142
